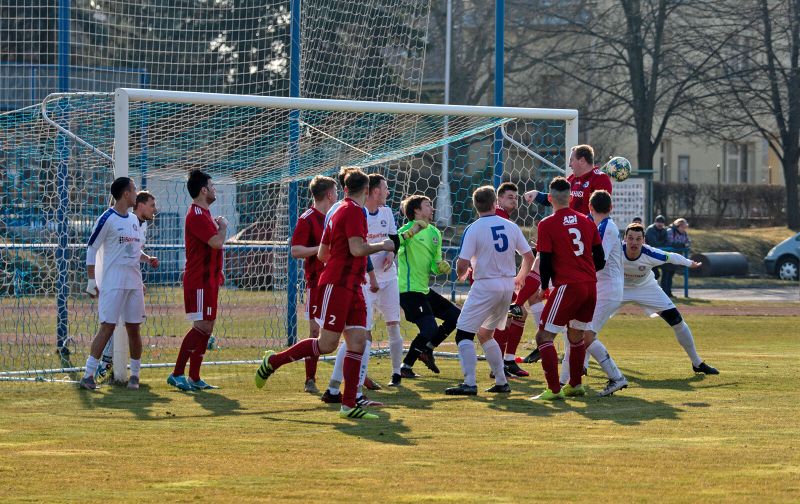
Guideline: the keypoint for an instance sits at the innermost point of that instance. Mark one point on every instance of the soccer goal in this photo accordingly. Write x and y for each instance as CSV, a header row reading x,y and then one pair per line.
x,y
261,152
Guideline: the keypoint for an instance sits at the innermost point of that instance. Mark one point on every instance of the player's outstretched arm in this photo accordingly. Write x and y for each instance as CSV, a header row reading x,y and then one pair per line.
x,y
359,247
538,197
302,252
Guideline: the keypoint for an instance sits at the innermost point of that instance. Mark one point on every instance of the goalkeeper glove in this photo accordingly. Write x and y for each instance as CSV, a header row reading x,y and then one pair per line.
x,y
91,287
418,226
444,267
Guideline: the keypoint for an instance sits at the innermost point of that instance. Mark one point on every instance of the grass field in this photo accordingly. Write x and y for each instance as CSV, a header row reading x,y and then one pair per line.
x,y
671,436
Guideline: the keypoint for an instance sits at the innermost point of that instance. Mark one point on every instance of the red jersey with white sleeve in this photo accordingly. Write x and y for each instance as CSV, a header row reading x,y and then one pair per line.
x,y
308,233
581,188
343,268
569,236
203,263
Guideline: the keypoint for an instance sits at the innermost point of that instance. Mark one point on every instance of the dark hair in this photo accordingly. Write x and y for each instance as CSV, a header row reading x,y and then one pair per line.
x,y
320,185
507,186
584,151
197,181
119,186
143,197
559,184
343,171
601,201
484,198
375,180
634,227
637,220
356,181
412,204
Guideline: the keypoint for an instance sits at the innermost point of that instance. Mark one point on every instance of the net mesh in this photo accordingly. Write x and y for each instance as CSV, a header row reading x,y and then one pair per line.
x,y
245,151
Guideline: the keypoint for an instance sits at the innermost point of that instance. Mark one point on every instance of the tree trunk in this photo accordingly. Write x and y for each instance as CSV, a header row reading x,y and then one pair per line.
x,y
790,162
644,150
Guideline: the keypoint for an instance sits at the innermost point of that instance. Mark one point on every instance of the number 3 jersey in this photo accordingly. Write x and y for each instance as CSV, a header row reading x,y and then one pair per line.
x,y
569,236
489,244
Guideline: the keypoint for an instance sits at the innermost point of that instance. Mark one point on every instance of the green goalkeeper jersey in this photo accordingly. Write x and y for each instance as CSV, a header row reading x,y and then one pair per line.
x,y
418,258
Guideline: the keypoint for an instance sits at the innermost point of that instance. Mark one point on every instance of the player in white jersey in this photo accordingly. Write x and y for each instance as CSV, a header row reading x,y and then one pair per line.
x,y
332,394
118,284
488,246
145,211
610,281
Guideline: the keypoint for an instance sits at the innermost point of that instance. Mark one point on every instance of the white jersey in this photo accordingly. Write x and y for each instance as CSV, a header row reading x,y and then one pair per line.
x,y
115,249
639,271
610,279
489,244
379,226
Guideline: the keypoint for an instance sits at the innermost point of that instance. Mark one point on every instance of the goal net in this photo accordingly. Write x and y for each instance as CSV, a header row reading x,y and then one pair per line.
x,y
261,152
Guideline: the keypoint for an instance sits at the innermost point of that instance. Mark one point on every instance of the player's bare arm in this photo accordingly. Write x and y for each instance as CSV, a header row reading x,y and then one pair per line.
x,y
303,252
524,269
218,240
359,247
462,268
324,252
151,260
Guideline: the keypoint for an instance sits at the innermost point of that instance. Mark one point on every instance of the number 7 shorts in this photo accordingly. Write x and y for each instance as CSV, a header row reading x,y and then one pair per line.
x,y
341,308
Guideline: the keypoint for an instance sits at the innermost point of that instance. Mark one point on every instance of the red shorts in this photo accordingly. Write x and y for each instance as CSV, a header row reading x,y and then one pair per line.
x,y
200,302
569,304
341,308
313,299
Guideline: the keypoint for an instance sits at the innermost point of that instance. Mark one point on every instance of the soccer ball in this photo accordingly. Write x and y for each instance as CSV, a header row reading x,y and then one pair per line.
x,y
618,168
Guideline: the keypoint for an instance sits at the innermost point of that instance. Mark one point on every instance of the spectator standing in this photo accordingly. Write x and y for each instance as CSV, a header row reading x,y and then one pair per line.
x,y
677,238
656,236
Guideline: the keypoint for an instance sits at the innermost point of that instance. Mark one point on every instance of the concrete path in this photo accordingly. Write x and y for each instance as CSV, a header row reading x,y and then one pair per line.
x,y
773,294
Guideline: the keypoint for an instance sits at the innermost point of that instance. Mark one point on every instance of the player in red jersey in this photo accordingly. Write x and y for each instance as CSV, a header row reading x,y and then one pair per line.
x,y
343,308
305,245
584,180
202,279
570,253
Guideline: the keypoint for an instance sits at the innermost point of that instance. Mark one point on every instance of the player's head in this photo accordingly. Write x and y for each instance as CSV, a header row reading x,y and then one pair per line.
x,y
484,199
508,196
634,238
123,189
600,202
145,206
343,171
323,188
200,187
581,159
378,189
417,207
559,193
356,182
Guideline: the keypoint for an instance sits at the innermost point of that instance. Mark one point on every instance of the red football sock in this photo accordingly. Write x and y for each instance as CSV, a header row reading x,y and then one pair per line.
x,y
550,365
188,345
300,350
501,337
528,289
196,357
514,335
350,370
577,352
311,367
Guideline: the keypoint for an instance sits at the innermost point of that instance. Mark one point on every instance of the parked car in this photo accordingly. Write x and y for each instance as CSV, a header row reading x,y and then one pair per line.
x,y
784,258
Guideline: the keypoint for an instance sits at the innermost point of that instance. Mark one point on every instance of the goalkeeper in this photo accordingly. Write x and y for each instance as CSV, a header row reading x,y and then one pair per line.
x,y
419,256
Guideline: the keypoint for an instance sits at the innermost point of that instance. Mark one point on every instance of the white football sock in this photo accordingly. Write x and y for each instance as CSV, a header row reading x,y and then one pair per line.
x,y
364,363
564,376
491,349
684,336
136,365
469,360
510,357
337,376
395,347
91,366
536,311
607,364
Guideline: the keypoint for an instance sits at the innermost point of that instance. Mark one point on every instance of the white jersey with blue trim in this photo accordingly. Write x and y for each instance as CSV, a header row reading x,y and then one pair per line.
x,y
639,271
489,244
610,279
380,225
115,249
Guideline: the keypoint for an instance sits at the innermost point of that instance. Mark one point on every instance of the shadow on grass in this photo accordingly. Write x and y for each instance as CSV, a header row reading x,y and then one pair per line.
x,y
217,404
381,430
139,402
680,384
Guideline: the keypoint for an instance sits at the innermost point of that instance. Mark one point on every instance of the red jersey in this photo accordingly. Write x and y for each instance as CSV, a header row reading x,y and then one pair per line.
x,y
343,268
308,233
569,236
581,188
501,213
203,263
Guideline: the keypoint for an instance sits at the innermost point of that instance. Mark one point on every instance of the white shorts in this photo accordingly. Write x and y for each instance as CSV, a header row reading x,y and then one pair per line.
x,y
127,303
486,306
387,300
536,311
366,292
649,296
604,309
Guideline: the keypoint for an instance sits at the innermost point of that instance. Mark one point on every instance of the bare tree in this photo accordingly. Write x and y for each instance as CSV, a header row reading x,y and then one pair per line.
x,y
760,89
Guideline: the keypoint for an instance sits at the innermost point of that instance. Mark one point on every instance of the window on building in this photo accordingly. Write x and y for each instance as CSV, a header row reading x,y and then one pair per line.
x,y
683,169
738,163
